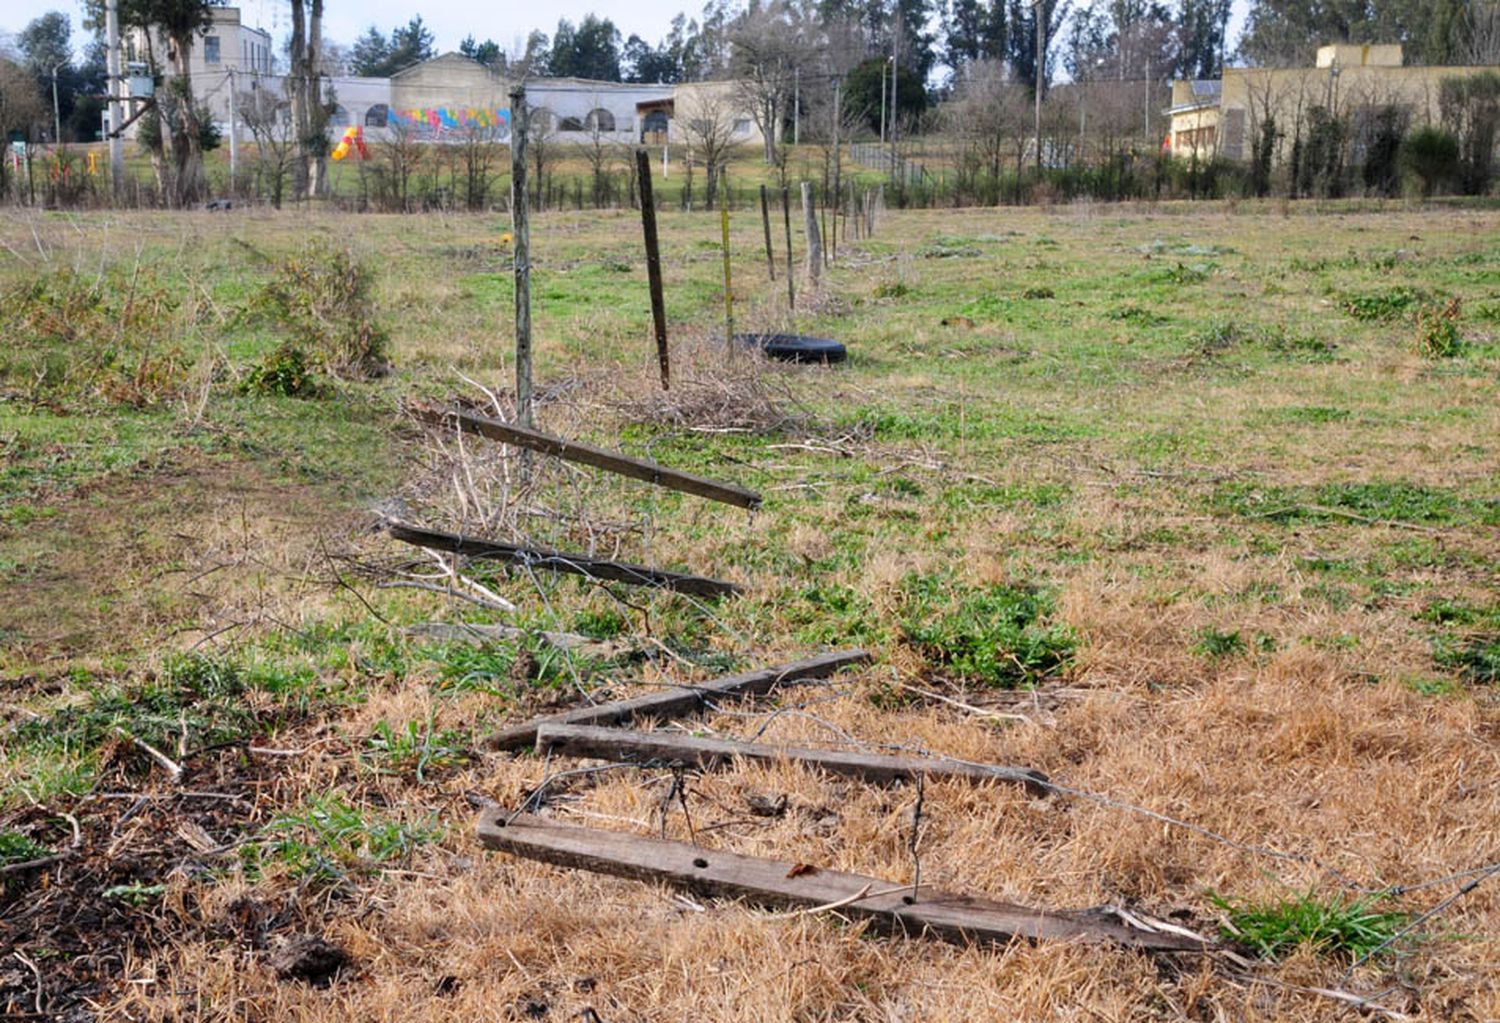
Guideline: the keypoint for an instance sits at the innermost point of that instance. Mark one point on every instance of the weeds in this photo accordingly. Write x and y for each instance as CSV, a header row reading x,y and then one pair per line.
x,y
1388,304
1340,927
1215,644
413,749
330,839
1376,501
1181,273
112,338
286,371
322,299
1438,335
998,636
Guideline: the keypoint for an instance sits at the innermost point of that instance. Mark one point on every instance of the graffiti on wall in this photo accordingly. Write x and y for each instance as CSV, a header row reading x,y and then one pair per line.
x,y
436,122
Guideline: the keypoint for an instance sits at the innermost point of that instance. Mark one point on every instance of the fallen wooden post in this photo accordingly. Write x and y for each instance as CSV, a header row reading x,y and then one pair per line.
x,y
558,561
680,699
890,907
587,454
669,748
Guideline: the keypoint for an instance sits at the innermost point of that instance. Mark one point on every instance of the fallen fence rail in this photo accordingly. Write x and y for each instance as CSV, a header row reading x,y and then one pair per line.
x,y
893,908
680,700
559,561
664,748
587,454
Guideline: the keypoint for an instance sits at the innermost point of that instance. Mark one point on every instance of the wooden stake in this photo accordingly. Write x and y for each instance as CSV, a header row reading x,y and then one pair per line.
x,y
682,699
587,454
520,220
674,748
653,263
765,219
814,238
728,286
558,561
892,908
791,268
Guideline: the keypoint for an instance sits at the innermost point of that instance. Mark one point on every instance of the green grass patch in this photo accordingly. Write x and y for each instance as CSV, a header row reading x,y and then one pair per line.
x,y
999,636
1338,926
330,840
1387,304
1378,501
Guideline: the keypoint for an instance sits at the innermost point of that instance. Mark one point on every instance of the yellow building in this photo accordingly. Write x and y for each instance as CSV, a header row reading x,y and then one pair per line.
x,y
1353,82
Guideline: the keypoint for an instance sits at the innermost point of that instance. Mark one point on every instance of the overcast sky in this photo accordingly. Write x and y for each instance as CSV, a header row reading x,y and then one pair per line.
x,y
450,20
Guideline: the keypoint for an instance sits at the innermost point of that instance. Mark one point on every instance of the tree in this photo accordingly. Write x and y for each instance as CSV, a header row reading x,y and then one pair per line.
x,y
47,45
371,54
267,115
310,109
659,65
487,53
771,44
1201,25
1024,24
374,56
707,117
592,50
975,30
181,22
864,86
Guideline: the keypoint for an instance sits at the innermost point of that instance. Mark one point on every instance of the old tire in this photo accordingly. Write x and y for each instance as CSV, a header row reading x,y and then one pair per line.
x,y
795,347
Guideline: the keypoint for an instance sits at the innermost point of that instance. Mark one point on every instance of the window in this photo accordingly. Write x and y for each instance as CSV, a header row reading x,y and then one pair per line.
x,y
210,49
742,126
377,116
338,117
599,119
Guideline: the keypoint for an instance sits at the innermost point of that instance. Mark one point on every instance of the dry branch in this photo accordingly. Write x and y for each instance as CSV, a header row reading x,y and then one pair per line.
x,y
663,748
961,919
681,699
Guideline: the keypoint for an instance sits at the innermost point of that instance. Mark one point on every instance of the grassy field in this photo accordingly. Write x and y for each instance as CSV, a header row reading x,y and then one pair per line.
x,y
1193,508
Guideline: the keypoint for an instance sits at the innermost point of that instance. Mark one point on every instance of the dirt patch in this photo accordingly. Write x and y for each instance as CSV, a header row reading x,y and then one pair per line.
x,y
196,547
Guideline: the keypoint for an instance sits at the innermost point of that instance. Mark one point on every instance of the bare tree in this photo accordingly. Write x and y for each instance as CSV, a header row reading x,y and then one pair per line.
x,y
267,115
1483,18
991,115
707,115
541,132
772,45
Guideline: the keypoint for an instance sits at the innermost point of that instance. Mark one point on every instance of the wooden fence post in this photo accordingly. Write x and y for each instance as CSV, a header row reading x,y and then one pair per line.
x,y
653,264
814,236
521,237
765,219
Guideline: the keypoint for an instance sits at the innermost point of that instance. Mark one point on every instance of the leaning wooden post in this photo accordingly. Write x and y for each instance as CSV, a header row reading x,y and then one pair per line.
x,y
728,284
521,234
791,271
814,236
765,219
653,264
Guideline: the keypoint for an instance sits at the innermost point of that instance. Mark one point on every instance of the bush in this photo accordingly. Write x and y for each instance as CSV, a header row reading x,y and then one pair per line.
x,y
287,371
1430,157
322,299
109,337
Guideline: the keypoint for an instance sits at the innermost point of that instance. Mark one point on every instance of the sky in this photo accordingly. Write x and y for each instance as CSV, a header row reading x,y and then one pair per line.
x,y
449,20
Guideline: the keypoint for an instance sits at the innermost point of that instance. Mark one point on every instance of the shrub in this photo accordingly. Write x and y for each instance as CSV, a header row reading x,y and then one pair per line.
x,y
1430,156
320,298
286,370
110,337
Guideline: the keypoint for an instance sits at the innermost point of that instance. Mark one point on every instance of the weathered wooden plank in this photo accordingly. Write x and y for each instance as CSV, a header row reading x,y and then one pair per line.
x,y
558,561
681,699
587,454
665,748
961,919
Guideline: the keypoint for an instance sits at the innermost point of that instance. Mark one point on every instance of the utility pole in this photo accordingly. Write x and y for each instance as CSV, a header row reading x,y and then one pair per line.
x,y
234,132
1039,23
112,89
882,102
895,73
56,118
1148,99
797,107
837,163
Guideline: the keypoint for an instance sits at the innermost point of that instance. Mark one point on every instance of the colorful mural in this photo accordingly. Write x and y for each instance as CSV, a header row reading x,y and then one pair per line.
x,y
437,121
